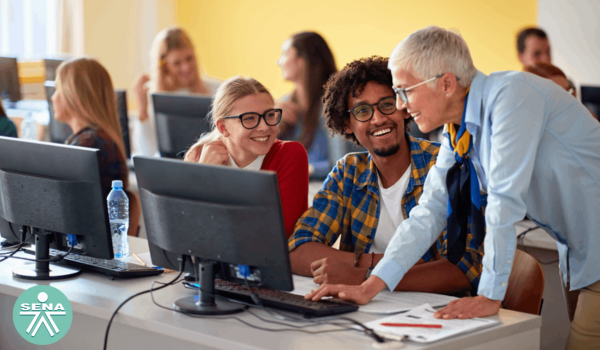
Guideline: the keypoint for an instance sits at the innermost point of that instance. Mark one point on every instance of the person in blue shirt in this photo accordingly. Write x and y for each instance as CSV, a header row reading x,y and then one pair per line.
x,y
523,140
7,127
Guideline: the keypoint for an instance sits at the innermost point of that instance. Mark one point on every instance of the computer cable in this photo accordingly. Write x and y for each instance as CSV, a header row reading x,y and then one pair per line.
x,y
181,260
370,332
521,236
294,328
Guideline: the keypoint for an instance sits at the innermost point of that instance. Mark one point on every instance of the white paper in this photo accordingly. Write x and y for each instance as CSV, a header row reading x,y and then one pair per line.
x,y
424,315
385,302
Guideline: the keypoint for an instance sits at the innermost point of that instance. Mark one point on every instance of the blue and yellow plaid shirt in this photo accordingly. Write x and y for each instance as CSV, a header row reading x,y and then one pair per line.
x,y
348,204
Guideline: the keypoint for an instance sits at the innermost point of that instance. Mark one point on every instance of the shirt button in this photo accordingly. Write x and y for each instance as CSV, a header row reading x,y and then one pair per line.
x,y
508,262
503,284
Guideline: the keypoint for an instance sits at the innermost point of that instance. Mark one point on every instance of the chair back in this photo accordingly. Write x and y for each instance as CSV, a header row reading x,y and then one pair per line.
x,y
525,285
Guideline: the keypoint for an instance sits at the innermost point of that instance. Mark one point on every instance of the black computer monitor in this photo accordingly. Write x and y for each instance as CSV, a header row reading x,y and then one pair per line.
x,y
52,190
50,67
59,131
590,97
179,120
9,79
222,217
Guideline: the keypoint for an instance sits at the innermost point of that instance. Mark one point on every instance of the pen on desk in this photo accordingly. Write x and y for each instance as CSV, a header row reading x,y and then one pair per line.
x,y
138,259
414,325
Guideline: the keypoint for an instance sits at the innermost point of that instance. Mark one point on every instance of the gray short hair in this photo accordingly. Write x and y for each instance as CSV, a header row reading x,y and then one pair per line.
x,y
432,51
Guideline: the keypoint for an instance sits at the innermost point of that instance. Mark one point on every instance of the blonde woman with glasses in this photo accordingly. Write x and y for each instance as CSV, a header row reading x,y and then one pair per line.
x,y
245,126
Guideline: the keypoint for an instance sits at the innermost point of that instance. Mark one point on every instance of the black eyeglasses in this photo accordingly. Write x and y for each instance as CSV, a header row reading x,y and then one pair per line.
x,y
251,120
364,112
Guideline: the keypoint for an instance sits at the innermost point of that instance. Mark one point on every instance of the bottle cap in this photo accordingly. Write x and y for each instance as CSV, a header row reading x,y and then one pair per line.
x,y
117,183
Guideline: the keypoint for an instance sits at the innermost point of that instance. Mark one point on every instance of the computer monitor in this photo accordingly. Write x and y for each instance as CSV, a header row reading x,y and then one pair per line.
x,y
222,217
50,67
590,97
180,120
9,79
59,131
54,190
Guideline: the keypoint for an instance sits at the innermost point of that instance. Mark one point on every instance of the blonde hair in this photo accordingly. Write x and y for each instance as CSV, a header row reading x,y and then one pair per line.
x,y
432,51
90,96
223,102
168,39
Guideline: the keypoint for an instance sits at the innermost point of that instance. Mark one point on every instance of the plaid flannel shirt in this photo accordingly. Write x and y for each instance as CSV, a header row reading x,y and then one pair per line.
x,y
348,204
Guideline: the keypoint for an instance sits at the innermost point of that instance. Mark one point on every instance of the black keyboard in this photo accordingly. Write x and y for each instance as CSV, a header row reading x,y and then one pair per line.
x,y
284,301
112,267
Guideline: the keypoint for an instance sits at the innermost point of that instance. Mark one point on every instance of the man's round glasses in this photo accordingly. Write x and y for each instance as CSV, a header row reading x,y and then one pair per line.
x,y
364,112
251,120
402,92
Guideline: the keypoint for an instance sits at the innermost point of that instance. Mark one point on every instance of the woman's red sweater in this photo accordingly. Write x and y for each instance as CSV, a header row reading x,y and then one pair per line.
x,y
289,160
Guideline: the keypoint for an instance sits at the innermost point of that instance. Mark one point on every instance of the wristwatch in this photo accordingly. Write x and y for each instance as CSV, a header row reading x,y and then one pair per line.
x,y
369,270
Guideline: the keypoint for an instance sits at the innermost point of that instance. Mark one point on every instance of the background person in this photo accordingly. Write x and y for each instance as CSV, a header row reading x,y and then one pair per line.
x,y
306,61
174,68
7,127
245,127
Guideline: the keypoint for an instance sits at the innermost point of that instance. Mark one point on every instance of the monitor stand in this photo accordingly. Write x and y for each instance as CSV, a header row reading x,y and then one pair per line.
x,y
41,269
204,303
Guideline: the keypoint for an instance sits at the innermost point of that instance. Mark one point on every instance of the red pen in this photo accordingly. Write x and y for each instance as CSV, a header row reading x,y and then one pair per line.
x,y
415,325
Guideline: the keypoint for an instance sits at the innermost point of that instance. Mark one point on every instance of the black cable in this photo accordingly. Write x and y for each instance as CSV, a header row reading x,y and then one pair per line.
x,y
181,268
522,237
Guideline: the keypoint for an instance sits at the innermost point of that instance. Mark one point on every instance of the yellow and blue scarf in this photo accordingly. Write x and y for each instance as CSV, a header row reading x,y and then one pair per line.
x,y
464,199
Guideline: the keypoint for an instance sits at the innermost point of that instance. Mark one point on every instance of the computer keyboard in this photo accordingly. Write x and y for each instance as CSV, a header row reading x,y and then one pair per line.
x,y
284,301
112,267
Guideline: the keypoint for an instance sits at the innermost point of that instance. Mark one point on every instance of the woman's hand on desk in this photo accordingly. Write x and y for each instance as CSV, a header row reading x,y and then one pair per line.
x,y
214,152
469,307
358,294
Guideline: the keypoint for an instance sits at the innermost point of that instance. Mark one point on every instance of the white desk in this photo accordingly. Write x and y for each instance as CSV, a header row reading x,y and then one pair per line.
x,y
142,325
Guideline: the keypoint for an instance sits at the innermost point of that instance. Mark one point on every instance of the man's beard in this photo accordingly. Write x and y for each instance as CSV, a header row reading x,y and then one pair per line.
x,y
386,152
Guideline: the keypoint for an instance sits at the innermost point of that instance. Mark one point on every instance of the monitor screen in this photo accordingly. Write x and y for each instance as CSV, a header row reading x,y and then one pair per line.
x,y
54,190
180,120
590,97
223,217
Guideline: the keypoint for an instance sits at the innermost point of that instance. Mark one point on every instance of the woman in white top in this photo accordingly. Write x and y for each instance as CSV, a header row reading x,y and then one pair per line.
x,y
174,69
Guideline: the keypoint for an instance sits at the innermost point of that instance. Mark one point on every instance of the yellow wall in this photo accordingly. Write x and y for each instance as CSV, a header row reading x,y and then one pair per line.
x,y
244,37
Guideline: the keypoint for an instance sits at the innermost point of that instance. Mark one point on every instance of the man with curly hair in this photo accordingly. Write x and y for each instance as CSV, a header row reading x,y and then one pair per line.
x,y
368,194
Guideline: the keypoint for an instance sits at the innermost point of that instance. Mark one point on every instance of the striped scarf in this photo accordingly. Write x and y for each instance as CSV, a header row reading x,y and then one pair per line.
x,y
464,199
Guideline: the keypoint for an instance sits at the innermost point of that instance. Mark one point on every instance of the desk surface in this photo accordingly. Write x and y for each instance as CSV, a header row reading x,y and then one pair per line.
x,y
141,324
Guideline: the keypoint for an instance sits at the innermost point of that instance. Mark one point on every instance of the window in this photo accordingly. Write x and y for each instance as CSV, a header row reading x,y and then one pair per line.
x,y
29,28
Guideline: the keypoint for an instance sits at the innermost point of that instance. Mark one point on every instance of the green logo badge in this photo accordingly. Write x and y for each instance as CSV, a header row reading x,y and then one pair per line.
x,y
42,315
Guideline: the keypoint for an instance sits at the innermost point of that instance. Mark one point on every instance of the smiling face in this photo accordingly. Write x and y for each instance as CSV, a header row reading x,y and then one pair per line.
x,y
292,66
247,144
383,134
181,64
424,105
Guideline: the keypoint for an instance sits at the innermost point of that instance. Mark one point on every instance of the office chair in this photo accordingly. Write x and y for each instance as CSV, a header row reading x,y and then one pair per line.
x,y
525,285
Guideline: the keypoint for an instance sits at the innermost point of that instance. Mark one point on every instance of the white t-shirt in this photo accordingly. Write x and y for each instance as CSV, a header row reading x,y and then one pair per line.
x,y
144,140
390,212
255,165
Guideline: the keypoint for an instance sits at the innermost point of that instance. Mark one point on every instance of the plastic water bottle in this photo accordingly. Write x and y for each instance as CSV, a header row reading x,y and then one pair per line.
x,y
29,128
118,215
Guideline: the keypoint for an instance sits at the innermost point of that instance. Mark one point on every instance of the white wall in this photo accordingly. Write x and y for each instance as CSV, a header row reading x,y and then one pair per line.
x,y
574,32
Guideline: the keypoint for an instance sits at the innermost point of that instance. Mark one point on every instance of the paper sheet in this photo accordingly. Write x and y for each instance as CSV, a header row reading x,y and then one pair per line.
x,y
385,302
424,315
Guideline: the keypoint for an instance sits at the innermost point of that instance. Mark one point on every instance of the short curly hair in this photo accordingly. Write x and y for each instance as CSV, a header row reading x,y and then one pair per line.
x,y
350,82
